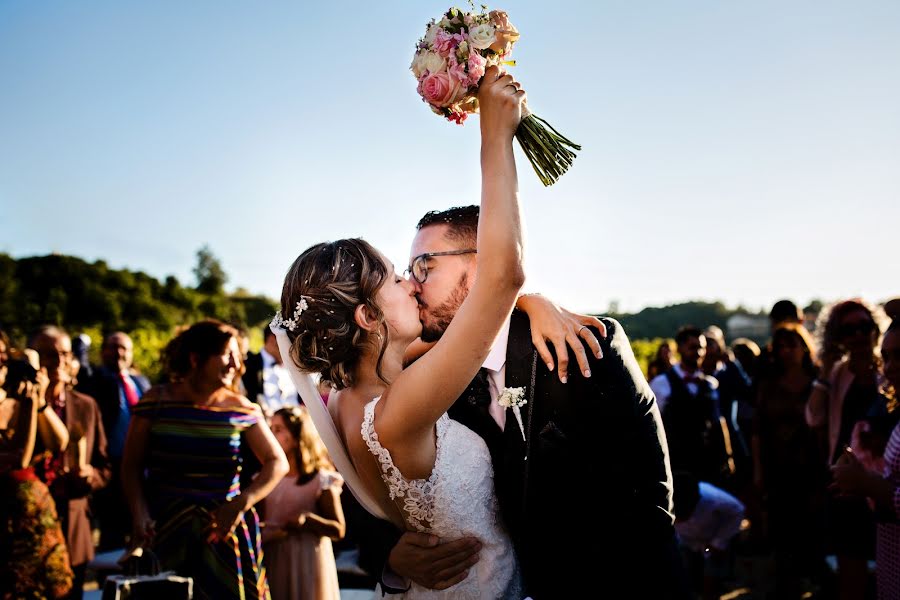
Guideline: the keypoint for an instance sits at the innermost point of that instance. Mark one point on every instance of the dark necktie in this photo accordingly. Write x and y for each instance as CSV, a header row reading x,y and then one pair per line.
x,y
479,391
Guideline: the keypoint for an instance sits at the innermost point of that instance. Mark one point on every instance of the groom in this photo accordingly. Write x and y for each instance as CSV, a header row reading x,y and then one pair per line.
x,y
601,433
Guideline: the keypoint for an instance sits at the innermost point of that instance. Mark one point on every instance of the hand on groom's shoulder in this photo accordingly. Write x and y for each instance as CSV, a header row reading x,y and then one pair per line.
x,y
619,369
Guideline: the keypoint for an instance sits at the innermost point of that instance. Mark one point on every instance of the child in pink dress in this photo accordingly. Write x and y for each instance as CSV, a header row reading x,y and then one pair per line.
x,y
303,514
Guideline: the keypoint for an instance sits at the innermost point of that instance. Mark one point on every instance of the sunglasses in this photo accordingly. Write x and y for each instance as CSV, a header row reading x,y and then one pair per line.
x,y
419,267
851,329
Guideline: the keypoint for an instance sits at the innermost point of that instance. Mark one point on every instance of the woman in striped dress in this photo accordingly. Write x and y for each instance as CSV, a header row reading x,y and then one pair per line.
x,y
182,463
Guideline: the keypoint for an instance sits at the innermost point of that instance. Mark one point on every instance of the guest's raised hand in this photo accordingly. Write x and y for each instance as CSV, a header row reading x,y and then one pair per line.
x,y
501,100
430,563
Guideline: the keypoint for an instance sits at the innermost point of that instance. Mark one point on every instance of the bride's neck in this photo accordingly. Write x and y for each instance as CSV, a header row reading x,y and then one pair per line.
x,y
368,381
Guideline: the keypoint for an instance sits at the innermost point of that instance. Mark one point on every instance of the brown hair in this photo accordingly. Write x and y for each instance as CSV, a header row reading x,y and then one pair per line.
x,y
829,322
312,456
888,389
334,278
203,340
789,329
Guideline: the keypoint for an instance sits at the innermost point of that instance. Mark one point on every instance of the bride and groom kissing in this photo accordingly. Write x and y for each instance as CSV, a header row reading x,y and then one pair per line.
x,y
476,499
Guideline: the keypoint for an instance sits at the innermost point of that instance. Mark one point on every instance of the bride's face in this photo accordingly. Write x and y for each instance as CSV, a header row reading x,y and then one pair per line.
x,y
397,300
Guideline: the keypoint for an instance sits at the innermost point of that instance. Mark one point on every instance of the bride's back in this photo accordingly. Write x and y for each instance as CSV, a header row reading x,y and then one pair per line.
x,y
347,411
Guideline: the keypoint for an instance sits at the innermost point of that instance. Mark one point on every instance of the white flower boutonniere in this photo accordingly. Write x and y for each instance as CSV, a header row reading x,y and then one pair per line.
x,y
514,398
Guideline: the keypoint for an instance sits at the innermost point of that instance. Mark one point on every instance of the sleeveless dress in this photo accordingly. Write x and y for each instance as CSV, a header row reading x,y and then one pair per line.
x,y
300,566
193,465
457,500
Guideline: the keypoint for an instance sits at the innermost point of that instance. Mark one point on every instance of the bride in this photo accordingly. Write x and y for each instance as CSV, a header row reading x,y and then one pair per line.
x,y
349,317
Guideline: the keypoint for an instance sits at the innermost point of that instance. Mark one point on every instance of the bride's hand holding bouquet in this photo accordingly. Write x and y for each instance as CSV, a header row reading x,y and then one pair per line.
x,y
451,63
502,102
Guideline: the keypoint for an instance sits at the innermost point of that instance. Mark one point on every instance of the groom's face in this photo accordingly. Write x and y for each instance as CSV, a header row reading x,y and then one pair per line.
x,y
447,284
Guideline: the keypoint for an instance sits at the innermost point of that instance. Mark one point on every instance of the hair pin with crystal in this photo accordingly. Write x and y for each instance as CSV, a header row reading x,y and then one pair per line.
x,y
292,323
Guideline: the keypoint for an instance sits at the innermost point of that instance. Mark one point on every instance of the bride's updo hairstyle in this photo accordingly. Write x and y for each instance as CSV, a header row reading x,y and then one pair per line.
x,y
321,292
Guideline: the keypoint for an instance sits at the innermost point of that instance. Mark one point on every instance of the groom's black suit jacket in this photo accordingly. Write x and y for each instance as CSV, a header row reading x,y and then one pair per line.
x,y
592,473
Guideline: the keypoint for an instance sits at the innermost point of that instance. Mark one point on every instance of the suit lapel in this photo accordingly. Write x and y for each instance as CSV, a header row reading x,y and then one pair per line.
x,y
519,362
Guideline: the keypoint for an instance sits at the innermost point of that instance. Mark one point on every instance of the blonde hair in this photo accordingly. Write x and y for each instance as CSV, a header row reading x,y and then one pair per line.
x,y
311,454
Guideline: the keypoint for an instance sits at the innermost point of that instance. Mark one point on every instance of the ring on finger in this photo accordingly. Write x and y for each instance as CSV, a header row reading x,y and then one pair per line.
x,y
580,328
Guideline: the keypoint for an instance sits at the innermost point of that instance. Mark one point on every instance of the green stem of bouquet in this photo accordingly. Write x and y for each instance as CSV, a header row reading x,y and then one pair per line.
x,y
550,153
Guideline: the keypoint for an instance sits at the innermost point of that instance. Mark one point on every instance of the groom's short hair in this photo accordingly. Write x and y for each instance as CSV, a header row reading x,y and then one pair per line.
x,y
462,222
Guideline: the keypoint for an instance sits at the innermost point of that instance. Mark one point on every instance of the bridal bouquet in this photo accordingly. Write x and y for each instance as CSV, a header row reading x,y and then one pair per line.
x,y
451,60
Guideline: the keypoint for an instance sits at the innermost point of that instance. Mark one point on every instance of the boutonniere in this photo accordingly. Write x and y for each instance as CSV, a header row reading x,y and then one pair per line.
x,y
514,398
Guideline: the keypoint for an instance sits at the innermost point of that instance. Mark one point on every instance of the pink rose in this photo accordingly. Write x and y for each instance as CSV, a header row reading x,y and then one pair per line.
x,y
476,68
506,33
445,43
439,89
458,71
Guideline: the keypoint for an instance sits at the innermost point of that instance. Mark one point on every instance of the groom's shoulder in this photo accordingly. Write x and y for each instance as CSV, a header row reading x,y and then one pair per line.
x,y
616,338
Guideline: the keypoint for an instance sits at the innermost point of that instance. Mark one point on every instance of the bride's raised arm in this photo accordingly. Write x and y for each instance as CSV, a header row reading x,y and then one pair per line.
x,y
424,391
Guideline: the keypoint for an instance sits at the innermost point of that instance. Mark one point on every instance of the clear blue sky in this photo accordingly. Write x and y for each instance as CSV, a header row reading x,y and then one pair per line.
x,y
742,151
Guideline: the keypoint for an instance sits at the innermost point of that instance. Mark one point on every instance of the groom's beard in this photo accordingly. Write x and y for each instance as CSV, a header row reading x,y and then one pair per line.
x,y
438,318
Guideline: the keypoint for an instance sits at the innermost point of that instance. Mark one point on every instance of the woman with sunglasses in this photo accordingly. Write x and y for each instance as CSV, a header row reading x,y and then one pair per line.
x,y
847,394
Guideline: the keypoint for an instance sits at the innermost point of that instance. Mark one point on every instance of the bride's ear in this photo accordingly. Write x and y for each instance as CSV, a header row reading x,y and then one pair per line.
x,y
364,318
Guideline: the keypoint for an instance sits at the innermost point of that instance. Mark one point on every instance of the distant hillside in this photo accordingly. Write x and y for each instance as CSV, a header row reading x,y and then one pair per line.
x,y
93,298
654,322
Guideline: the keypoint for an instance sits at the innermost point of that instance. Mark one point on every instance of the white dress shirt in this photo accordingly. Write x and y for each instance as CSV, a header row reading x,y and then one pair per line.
x,y
495,363
278,389
715,521
662,389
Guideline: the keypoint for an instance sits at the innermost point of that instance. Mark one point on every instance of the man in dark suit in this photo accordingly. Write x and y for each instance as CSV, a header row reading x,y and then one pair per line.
x,y
597,430
117,388
83,468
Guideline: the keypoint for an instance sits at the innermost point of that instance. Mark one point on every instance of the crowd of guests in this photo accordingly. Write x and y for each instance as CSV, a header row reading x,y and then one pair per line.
x,y
793,447
219,471
240,495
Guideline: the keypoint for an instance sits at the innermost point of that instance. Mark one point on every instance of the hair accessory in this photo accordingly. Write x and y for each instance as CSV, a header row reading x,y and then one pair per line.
x,y
292,323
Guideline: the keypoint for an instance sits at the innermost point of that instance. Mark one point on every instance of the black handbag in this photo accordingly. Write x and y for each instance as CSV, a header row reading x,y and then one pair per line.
x,y
142,580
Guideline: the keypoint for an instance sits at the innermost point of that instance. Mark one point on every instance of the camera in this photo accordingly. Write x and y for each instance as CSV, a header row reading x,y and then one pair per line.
x,y
17,371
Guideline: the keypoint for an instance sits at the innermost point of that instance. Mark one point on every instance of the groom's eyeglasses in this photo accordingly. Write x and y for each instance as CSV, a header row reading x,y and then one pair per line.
x,y
419,267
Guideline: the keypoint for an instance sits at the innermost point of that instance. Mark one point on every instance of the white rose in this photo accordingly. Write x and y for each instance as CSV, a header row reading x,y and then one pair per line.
x,y
434,62
418,63
431,33
481,36
426,60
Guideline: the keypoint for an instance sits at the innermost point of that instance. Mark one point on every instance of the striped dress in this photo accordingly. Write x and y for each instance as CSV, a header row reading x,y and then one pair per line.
x,y
193,465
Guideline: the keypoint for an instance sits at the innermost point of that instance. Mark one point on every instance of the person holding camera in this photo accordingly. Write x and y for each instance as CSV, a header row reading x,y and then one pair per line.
x,y
31,539
84,467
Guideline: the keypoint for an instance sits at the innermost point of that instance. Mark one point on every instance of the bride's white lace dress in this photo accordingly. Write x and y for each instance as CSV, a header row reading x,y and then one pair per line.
x,y
457,500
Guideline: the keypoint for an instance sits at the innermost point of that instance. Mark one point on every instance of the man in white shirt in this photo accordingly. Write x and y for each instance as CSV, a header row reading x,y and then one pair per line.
x,y
692,349
707,519
266,380
697,434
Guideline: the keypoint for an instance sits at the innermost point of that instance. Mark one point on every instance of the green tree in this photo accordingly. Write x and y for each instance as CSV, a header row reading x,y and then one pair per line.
x,y
211,277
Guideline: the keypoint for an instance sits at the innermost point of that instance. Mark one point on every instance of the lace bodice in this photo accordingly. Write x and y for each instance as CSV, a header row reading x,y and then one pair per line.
x,y
456,500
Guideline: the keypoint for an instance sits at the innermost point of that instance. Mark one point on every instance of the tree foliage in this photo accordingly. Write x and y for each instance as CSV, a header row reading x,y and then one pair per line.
x,y
663,322
93,298
211,277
